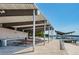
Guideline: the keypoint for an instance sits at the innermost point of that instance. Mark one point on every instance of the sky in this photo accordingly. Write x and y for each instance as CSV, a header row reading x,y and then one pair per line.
x,y
63,17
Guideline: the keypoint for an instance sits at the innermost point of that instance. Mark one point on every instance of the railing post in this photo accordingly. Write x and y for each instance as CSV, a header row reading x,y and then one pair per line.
x,y
61,43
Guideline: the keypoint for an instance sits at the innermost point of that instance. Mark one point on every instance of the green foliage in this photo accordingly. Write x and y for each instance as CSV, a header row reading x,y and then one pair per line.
x,y
40,33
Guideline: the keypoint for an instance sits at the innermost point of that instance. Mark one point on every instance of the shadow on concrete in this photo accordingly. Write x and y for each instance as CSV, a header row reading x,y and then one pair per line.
x,y
25,52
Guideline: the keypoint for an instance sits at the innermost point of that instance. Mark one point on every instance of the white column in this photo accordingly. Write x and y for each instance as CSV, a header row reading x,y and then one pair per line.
x,y
56,35
44,31
52,34
4,42
48,33
33,30
71,36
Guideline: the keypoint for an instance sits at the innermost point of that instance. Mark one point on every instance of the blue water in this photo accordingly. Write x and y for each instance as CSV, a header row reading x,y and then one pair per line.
x,y
76,37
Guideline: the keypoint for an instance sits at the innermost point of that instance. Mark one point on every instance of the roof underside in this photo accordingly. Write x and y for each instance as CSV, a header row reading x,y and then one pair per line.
x,y
27,25
17,6
41,27
17,21
10,19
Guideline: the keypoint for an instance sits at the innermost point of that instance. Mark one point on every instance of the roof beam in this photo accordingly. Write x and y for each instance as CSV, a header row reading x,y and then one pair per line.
x,y
21,23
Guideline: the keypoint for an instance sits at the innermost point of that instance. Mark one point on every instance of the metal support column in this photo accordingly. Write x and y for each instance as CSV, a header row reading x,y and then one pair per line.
x,y
34,30
71,36
44,31
52,34
48,33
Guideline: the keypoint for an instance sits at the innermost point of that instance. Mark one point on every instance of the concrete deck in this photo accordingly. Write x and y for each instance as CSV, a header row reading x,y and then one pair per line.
x,y
71,49
51,48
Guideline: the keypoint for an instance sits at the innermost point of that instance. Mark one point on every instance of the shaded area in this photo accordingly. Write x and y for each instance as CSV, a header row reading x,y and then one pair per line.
x,y
13,48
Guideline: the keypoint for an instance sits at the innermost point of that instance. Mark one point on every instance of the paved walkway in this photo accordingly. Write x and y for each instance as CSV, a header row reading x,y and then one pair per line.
x,y
51,48
71,49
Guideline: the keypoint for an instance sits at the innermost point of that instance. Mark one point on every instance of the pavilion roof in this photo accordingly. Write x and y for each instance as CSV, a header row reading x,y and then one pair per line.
x,y
17,6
